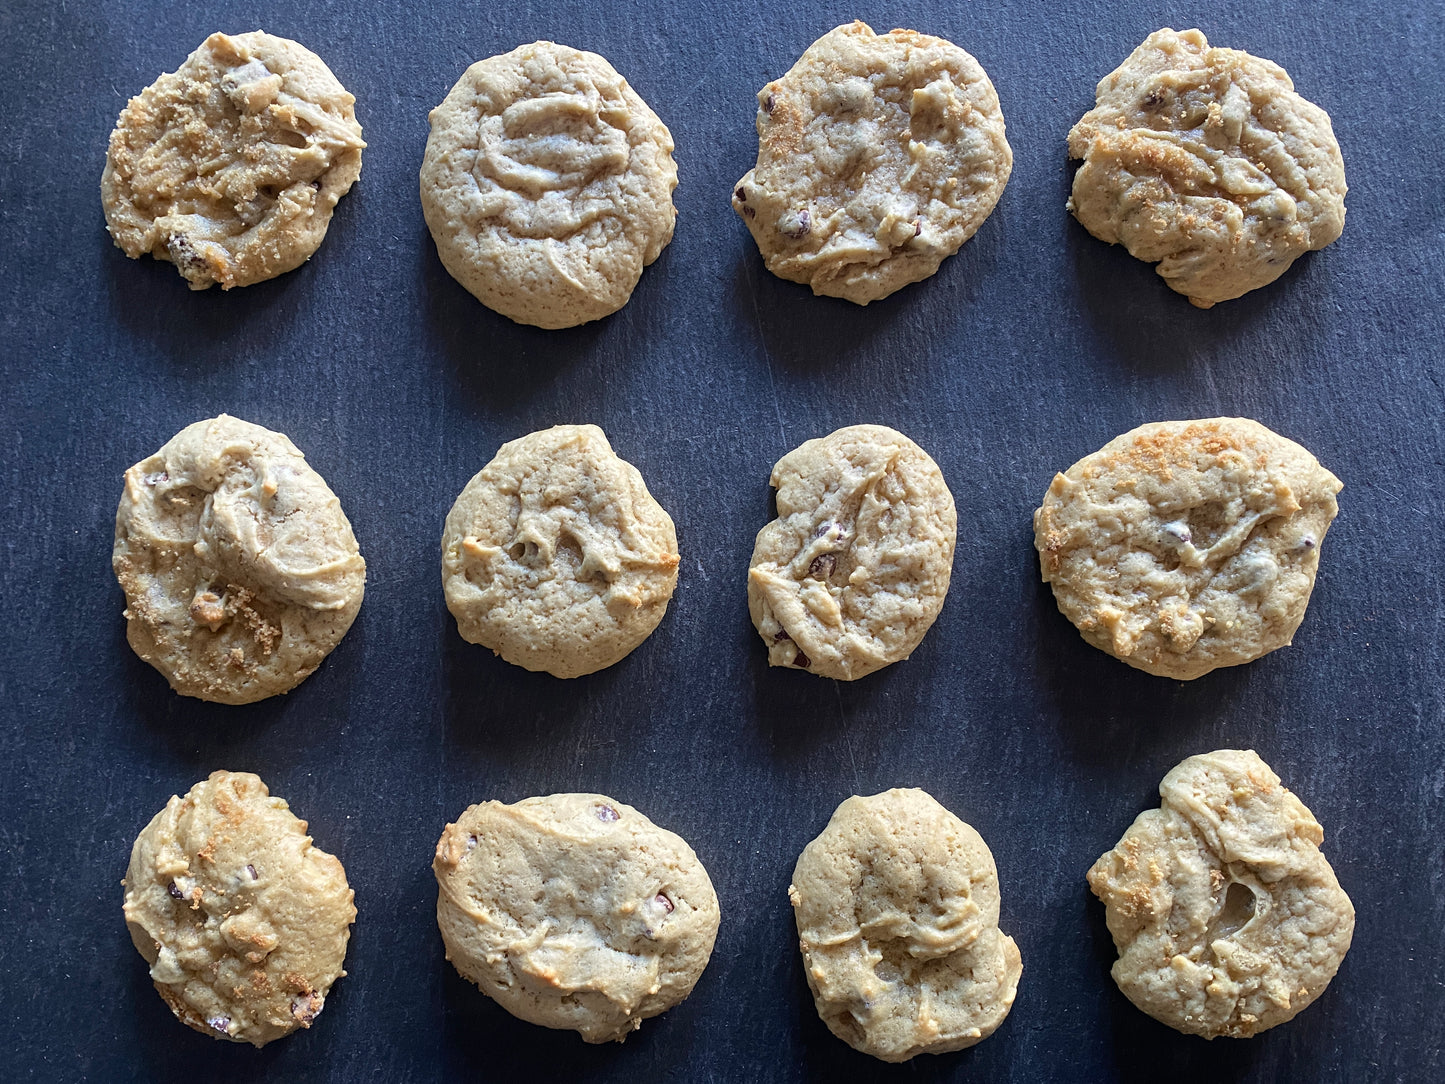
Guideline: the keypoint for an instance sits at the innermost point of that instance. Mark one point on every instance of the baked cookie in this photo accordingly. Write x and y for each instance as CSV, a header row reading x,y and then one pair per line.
x,y
243,921
230,166
574,911
1206,162
855,568
897,908
547,185
556,557
1227,918
1180,547
878,156
239,568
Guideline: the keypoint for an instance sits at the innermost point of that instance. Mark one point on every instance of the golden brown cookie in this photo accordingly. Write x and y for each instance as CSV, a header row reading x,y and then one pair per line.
x,y
1227,918
879,155
239,567
243,921
1180,547
1206,162
574,911
230,166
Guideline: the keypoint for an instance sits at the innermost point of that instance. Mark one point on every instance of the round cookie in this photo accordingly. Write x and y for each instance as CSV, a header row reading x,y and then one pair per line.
x,y
574,911
1206,162
547,185
556,556
878,157
1227,918
239,567
855,568
230,166
243,921
1180,547
897,908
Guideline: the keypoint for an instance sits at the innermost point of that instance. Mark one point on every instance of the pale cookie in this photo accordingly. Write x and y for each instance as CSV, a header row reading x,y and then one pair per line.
x,y
547,185
239,567
878,157
1207,162
556,556
1227,918
855,568
243,921
897,908
230,166
1180,547
574,911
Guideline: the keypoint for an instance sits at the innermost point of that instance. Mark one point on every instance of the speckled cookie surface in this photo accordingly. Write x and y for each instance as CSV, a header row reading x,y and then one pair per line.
x,y
1180,547
556,556
239,567
1227,918
878,156
243,921
547,185
574,911
231,166
1206,162
855,568
897,904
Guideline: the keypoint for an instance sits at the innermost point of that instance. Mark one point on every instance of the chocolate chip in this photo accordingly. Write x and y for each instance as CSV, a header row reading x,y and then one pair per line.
x,y
917,226
605,813
220,1023
798,225
822,566
1307,543
252,871
802,660
768,105
824,528
174,890
741,195
1154,99
305,1008
780,636
663,902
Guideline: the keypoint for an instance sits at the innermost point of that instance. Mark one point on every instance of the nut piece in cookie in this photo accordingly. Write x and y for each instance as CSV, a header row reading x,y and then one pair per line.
x,y
574,911
547,185
897,909
1227,918
556,556
1180,547
230,166
243,921
855,568
239,567
878,157
1206,162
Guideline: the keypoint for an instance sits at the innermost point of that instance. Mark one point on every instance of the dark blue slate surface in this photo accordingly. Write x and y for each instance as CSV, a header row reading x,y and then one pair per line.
x,y
1032,347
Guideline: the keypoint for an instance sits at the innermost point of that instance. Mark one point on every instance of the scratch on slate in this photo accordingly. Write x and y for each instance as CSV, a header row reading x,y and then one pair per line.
x,y
767,356
847,736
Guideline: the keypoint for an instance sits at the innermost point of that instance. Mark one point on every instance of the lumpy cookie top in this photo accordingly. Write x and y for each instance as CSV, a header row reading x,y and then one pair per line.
x,y
574,911
547,185
1227,918
230,167
1180,547
556,556
239,567
855,568
878,156
243,921
1208,162
897,908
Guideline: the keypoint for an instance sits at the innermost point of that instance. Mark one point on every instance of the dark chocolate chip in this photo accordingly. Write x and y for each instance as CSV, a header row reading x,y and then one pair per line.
x,y
174,890
768,105
780,636
663,902
800,227
605,813
220,1023
802,660
917,226
1307,543
741,195
1154,99
252,871
822,566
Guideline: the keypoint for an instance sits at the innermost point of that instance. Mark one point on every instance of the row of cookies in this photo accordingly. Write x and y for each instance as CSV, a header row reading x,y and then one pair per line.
x,y
1178,547
576,911
547,181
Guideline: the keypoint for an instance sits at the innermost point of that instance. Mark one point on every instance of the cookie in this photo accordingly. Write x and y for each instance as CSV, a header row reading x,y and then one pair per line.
x,y
897,908
547,185
878,157
1180,547
574,911
231,166
1206,162
855,568
1227,918
556,556
239,568
243,921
